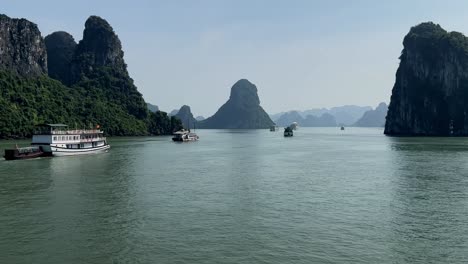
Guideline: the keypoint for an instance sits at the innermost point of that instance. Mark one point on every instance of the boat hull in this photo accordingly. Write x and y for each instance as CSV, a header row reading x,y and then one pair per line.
x,y
12,154
58,152
184,139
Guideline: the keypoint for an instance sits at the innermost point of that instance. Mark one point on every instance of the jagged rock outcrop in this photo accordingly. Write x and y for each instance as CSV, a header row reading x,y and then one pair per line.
x,y
242,110
100,47
22,48
430,95
200,118
185,115
98,62
374,118
103,93
60,49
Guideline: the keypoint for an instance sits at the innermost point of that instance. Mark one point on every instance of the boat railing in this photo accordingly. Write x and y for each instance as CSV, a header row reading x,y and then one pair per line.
x,y
92,139
70,132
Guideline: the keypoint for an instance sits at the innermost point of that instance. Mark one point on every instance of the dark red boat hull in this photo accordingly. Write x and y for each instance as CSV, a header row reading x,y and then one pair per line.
x,y
13,154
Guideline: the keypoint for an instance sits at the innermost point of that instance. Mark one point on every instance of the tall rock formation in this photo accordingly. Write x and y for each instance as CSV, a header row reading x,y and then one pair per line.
x,y
242,110
186,117
101,93
430,95
22,48
374,118
98,62
60,49
100,47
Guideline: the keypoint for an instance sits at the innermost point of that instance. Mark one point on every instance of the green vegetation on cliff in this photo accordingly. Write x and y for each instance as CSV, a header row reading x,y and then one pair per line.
x,y
25,102
92,88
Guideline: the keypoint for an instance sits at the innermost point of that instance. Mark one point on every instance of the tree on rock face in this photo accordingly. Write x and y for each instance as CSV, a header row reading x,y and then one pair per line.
x,y
430,95
242,110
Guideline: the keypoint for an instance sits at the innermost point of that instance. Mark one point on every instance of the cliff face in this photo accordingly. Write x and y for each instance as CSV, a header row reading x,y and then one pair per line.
x,y
374,118
60,49
22,48
100,47
98,62
186,117
242,110
430,95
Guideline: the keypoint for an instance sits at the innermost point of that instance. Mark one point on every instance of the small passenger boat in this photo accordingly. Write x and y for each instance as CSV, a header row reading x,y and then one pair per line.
x,y
288,132
273,128
184,136
24,153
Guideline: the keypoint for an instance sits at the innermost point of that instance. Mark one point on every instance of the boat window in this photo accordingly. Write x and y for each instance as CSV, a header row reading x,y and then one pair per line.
x,y
55,138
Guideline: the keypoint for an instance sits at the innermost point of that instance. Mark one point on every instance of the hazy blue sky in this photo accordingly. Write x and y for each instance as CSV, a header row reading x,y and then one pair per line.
x,y
300,54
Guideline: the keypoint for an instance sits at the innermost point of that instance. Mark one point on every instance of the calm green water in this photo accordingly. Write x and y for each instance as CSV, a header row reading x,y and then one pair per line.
x,y
323,196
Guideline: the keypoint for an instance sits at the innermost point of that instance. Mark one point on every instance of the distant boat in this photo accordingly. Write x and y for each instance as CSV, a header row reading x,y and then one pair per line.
x,y
342,128
273,128
288,132
184,136
294,126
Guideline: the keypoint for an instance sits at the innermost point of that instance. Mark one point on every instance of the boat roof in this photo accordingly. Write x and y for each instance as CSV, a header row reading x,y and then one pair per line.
x,y
52,125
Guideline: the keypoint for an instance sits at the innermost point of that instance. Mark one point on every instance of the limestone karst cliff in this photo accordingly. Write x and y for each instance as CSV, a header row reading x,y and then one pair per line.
x,y
242,110
186,117
22,48
60,49
430,95
91,85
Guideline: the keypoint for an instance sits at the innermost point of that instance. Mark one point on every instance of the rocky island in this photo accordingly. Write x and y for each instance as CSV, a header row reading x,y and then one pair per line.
x,y
92,85
430,95
242,110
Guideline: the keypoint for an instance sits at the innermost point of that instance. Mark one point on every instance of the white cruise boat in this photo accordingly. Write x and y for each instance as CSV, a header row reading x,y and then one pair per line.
x,y
57,140
184,136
